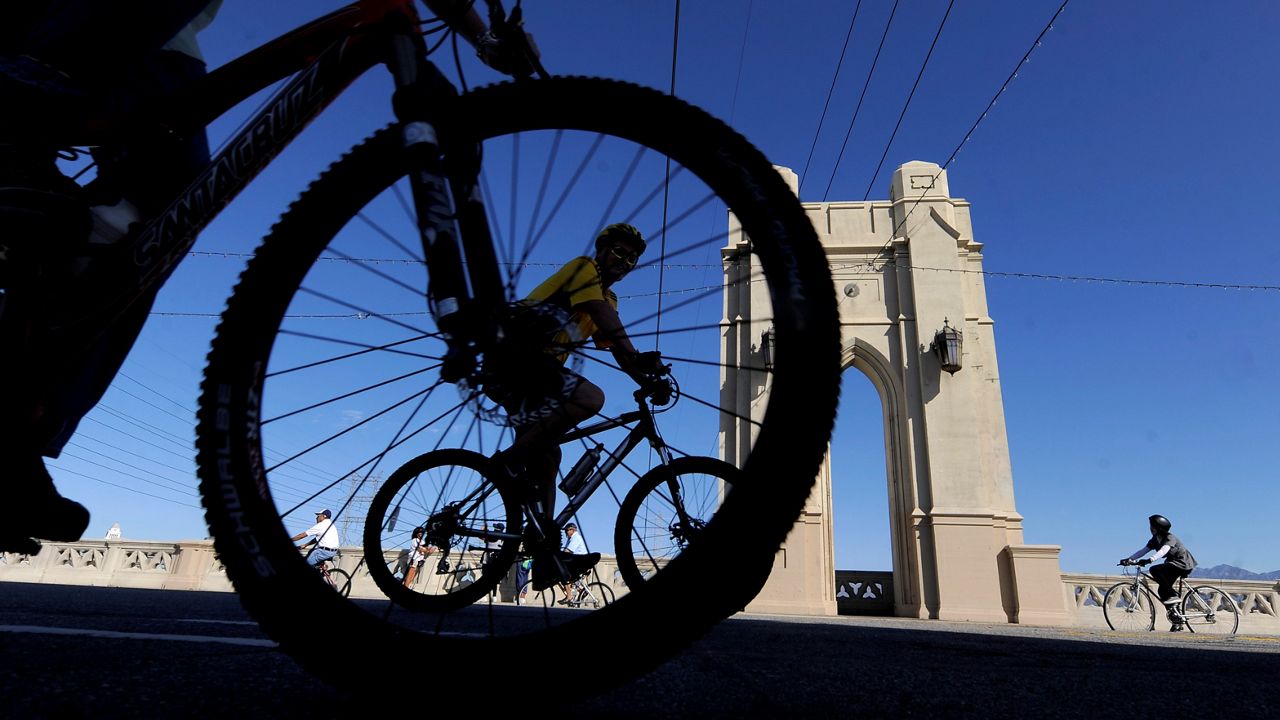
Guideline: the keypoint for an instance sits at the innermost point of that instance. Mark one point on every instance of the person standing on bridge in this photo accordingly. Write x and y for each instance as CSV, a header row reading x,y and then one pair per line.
x,y
1178,563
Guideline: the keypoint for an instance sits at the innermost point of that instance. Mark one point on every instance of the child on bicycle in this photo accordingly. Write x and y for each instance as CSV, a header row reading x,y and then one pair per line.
x,y
1178,563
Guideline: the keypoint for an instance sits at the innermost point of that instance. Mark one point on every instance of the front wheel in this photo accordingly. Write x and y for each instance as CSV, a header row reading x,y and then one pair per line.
x,y
1130,607
325,372
666,511
1210,611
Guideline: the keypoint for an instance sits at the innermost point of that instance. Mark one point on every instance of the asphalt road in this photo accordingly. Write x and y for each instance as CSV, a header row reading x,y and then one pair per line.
x,y
69,652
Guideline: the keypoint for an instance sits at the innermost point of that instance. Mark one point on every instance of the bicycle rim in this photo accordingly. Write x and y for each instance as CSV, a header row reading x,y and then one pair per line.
x,y
1210,611
1129,608
322,379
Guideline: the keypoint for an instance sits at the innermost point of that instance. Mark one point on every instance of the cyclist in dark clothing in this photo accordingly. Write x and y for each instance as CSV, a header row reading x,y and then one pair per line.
x,y
1178,562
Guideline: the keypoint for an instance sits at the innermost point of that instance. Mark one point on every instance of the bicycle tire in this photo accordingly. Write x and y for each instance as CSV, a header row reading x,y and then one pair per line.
x,y
379,539
1210,611
598,595
709,581
643,551
340,580
1126,611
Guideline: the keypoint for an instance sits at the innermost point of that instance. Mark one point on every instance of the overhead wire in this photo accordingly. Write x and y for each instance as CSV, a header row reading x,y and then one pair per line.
x,y
871,183
875,61
830,92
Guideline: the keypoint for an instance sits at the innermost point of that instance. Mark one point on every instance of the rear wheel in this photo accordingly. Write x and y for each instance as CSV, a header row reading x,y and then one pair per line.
x,y
325,371
597,595
1129,608
1210,611
446,496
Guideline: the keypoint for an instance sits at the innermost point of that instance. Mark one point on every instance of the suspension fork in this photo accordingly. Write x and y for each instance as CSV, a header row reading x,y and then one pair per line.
x,y
464,285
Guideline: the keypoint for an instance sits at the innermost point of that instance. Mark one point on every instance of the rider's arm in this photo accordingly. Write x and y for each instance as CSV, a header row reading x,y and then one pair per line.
x,y
1164,550
1141,551
610,333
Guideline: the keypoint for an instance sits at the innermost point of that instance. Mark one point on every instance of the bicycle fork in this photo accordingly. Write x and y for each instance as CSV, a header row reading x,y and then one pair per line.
x,y
465,288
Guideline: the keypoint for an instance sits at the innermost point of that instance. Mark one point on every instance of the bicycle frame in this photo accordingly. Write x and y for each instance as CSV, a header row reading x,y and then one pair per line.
x,y
325,57
644,428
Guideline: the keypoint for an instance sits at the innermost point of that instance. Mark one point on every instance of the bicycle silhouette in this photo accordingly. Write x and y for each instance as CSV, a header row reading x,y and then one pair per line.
x,y
398,246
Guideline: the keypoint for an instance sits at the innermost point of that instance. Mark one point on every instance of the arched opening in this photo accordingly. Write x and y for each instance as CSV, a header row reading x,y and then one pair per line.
x,y
860,503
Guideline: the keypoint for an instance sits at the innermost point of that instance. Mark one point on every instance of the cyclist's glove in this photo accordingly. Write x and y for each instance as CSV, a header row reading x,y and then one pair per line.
x,y
1143,561
650,363
660,391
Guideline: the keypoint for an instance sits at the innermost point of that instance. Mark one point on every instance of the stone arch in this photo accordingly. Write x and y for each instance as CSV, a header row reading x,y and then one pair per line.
x,y
957,542
860,355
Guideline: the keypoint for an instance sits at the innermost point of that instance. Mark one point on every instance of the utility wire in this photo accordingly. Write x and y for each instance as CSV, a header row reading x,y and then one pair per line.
x,y
862,97
666,189
830,91
907,104
1025,58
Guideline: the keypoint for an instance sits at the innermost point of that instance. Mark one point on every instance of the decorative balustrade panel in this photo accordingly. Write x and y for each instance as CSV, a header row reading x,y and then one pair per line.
x,y
864,592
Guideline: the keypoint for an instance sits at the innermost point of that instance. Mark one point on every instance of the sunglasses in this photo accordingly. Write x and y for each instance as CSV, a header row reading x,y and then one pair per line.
x,y
630,257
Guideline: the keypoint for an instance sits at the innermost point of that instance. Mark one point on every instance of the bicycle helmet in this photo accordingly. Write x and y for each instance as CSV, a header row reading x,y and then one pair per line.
x,y
1160,523
621,232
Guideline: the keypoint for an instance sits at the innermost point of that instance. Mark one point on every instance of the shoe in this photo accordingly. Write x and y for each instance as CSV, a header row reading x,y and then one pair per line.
x,y
1170,602
41,512
1176,627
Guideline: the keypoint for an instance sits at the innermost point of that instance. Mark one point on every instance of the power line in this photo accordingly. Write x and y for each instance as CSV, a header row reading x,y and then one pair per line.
x,y
830,92
858,109
910,95
1025,58
1186,284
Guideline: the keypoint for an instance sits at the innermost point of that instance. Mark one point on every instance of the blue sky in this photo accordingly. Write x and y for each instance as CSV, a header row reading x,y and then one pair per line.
x,y
1130,147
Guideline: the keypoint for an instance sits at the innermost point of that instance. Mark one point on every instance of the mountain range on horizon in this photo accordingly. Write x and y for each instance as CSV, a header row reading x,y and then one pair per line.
x,y
1231,572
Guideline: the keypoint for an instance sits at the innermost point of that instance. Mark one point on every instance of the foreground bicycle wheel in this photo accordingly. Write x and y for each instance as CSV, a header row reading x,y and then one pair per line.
x,y
323,375
1210,611
665,511
1128,609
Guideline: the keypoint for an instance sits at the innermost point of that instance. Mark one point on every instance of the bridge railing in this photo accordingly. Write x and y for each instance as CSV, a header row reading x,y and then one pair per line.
x,y
1259,601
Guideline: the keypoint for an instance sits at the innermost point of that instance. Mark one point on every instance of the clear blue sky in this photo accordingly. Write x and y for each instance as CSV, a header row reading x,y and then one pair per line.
x,y
1131,146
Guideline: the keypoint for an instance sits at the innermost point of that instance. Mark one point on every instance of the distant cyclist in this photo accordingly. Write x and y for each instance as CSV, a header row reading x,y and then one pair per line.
x,y
1178,562
543,398
323,535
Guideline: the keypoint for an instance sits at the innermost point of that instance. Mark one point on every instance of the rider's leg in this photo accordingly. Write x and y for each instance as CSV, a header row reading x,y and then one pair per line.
x,y
539,443
47,384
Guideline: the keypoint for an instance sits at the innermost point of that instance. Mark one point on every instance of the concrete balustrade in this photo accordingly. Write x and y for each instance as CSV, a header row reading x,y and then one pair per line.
x,y
193,565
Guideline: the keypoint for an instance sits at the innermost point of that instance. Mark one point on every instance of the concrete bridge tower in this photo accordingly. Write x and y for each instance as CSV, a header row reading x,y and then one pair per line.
x,y
907,272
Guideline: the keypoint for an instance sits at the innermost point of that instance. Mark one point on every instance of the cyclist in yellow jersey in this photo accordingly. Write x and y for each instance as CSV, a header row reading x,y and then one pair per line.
x,y
545,401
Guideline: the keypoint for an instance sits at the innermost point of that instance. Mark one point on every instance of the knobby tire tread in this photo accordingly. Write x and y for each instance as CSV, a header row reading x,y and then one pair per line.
x,y
289,599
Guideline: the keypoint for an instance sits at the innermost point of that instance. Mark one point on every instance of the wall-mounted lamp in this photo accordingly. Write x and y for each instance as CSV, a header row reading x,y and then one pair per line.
x,y
768,344
947,344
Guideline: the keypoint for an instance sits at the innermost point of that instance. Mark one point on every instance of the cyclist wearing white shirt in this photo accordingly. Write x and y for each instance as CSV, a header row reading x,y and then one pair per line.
x,y
324,535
